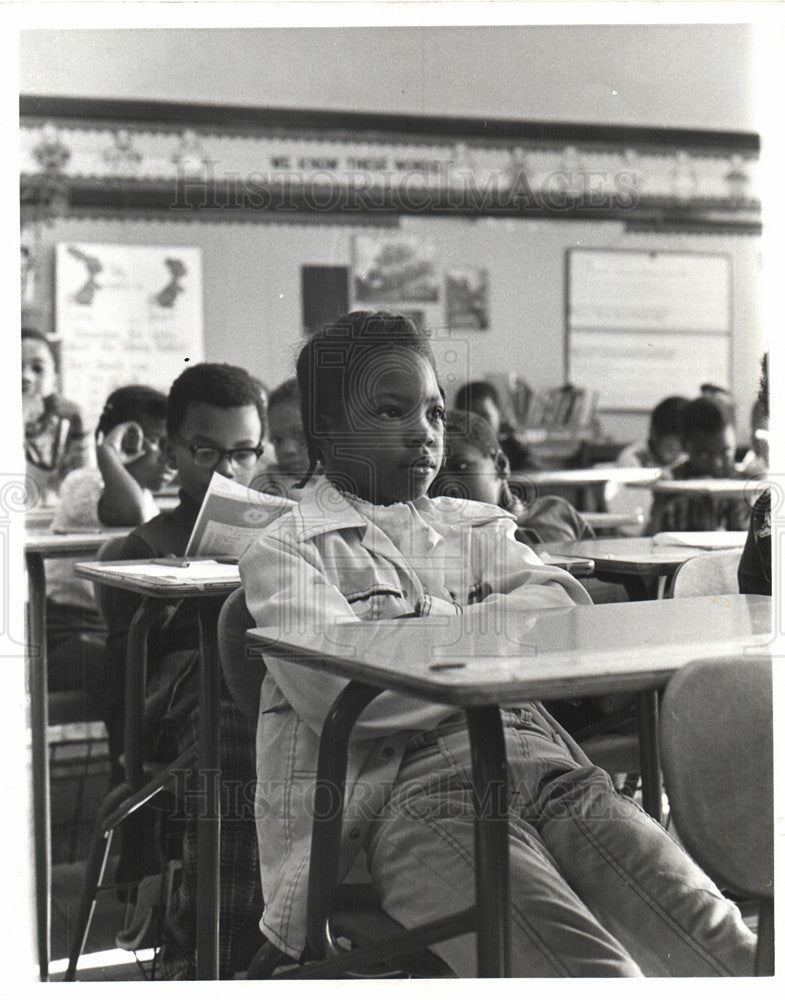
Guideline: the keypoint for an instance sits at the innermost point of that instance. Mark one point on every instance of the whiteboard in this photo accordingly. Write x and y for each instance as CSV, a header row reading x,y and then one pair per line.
x,y
642,290
643,325
125,314
630,371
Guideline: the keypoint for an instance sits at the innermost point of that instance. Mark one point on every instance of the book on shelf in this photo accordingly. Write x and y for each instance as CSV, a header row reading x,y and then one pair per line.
x,y
231,516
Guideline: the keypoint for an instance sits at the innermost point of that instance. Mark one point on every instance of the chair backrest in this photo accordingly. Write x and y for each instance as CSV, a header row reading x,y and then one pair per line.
x,y
108,552
717,759
708,575
243,673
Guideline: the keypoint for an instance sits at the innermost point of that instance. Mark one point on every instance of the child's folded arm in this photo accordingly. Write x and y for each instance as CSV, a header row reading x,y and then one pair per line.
x,y
514,572
286,591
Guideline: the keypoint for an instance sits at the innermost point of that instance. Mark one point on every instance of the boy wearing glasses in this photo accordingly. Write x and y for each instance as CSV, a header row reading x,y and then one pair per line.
x,y
215,422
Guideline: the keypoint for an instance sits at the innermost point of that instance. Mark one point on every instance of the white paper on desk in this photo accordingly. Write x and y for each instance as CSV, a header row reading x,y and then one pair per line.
x,y
702,539
231,516
200,571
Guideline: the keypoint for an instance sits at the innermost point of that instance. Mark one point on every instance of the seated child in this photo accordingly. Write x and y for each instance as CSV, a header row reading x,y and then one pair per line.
x,y
709,440
215,421
288,441
54,436
483,399
663,447
131,466
598,888
755,462
661,450
476,468
755,563
720,397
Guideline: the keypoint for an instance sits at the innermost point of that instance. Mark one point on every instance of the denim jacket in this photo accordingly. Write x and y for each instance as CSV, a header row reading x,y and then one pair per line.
x,y
326,561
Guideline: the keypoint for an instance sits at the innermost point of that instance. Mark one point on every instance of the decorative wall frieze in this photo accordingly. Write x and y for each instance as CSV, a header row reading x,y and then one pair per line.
x,y
145,158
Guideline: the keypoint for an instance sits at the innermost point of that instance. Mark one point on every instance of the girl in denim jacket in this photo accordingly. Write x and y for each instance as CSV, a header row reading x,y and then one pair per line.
x,y
598,888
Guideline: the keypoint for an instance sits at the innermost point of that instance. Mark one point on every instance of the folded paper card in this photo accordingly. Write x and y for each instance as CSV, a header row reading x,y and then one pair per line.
x,y
197,571
702,539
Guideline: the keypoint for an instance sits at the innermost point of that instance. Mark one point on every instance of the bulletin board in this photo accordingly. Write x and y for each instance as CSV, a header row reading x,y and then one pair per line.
x,y
642,325
125,314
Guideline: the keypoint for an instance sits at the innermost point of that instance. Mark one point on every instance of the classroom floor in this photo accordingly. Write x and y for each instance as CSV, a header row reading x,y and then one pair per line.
x,y
80,778
101,959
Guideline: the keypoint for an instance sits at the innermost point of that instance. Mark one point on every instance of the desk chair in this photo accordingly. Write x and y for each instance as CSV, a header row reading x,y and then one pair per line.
x,y
707,575
717,758
352,912
143,781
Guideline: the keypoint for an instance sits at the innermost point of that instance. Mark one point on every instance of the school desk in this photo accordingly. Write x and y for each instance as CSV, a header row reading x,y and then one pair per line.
x,y
555,653
209,583
714,491
39,517
639,564
586,485
40,546
717,489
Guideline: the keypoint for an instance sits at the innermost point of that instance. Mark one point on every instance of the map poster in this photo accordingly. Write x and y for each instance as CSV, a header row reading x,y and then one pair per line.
x,y
125,314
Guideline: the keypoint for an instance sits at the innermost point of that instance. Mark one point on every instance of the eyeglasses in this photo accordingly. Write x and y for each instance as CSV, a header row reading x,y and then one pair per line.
x,y
208,457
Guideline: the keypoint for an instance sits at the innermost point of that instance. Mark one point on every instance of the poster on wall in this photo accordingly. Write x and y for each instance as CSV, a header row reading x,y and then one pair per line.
x,y
125,314
466,293
394,268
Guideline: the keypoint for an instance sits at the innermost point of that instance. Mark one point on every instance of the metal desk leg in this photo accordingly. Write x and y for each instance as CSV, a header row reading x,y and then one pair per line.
x,y
147,614
491,842
649,744
39,721
209,820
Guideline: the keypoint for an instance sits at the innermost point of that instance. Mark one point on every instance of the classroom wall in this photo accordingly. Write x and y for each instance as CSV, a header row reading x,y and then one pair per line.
x,y
689,75
677,75
252,296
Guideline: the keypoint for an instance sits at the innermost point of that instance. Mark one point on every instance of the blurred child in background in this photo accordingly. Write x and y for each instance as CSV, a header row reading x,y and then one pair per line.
x,y
288,441
663,445
756,461
120,493
476,468
483,399
755,564
55,441
709,440
661,450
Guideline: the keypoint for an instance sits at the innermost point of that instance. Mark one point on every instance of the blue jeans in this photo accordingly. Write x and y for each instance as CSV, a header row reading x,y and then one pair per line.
x,y
597,887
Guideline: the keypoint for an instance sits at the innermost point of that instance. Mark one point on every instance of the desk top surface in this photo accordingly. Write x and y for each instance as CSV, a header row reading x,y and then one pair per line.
x,y
153,578
732,489
636,556
75,543
588,477
538,654
603,521
39,517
